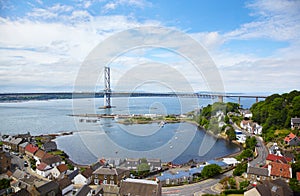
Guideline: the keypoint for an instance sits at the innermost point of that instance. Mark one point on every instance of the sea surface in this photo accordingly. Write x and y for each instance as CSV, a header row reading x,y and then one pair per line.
x,y
105,138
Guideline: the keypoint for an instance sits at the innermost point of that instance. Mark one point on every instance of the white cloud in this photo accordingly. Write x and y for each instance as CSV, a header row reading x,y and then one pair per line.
x,y
112,5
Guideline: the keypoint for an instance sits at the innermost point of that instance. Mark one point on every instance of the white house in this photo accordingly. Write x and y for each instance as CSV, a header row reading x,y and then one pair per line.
x,y
59,170
84,178
43,170
231,161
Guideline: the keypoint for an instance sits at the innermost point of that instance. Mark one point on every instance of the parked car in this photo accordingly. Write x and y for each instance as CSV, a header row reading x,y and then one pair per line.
x,y
25,164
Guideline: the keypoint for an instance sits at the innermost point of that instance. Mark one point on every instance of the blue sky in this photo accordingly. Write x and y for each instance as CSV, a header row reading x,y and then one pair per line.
x,y
254,44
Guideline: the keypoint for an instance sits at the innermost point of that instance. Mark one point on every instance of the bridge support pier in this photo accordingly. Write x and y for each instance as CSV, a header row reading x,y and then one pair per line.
x,y
220,98
239,100
107,90
256,99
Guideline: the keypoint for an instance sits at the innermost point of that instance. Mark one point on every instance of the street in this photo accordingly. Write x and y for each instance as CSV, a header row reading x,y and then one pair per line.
x,y
206,186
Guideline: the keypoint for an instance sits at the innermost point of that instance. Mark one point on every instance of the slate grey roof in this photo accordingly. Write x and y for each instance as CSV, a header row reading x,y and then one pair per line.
x,y
72,175
277,187
49,146
83,191
47,187
295,120
258,171
23,145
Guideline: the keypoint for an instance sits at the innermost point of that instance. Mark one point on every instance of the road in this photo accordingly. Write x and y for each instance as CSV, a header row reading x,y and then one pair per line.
x,y
206,186
262,152
261,149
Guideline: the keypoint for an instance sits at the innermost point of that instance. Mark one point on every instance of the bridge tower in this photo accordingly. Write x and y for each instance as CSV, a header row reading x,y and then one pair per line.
x,y
107,90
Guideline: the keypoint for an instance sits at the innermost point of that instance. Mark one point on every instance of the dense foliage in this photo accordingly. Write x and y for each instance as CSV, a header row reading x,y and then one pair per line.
x,y
230,132
276,112
240,169
211,170
4,183
208,119
250,143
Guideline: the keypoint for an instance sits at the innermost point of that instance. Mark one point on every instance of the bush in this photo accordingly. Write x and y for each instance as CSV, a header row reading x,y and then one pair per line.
x,y
211,170
240,169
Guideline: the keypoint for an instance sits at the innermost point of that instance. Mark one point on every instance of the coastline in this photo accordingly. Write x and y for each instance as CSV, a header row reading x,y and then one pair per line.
x,y
240,148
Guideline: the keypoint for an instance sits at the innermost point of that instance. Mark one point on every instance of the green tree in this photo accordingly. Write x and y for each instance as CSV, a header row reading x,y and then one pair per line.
x,y
251,142
4,183
143,168
295,185
211,170
247,153
231,133
244,184
240,169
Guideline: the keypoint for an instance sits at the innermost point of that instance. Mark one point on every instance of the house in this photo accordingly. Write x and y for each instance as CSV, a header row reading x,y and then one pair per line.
x,y
292,140
43,169
14,143
132,163
270,188
155,164
219,163
50,188
38,155
279,159
22,192
256,129
84,178
18,174
71,174
22,147
49,146
280,170
65,186
246,113
257,174
114,162
295,123
140,187
231,162
275,150
30,150
52,160
28,182
245,124
85,190
60,170
109,175
5,162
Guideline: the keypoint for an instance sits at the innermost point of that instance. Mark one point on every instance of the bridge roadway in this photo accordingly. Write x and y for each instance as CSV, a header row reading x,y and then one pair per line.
x,y
129,94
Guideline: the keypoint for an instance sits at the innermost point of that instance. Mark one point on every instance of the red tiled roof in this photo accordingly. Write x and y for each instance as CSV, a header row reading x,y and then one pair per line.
x,y
280,170
289,137
298,176
63,167
40,154
41,166
31,148
281,159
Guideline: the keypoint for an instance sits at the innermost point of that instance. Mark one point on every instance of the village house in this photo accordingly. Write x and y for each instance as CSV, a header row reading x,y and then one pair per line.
x,y
255,174
50,188
292,140
30,150
295,123
83,178
85,190
59,171
43,170
274,149
65,186
277,187
38,155
132,163
5,162
280,171
155,164
52,160
12,143
109,175
22,147
49,146
246,113
279,159
140,187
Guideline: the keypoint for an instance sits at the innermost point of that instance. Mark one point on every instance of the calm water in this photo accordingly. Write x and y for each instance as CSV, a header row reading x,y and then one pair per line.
x,y
178,142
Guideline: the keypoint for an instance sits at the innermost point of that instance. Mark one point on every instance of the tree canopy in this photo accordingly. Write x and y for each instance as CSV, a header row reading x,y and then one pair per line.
x,y
211,170
276,112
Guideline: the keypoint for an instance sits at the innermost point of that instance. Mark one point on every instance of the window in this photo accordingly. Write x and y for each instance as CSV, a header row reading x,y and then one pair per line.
x,y
104,181
96,181
112,182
